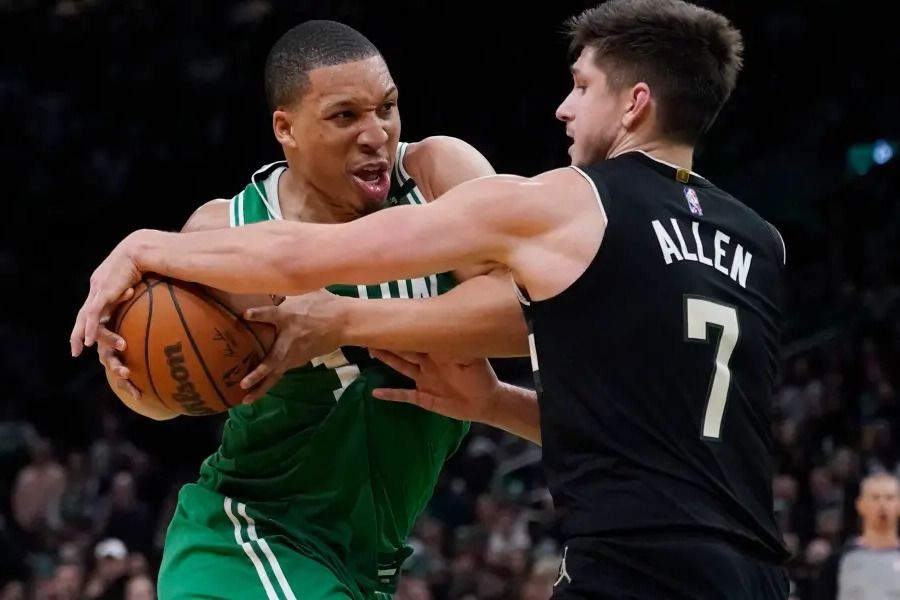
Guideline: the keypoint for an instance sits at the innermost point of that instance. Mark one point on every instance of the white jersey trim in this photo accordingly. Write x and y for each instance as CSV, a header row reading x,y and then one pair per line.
x,y
596,193
270,198
783,248
401,170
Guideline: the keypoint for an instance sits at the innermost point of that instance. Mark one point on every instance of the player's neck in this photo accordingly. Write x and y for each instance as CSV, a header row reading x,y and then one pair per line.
x,y
680,155
880,540
302,202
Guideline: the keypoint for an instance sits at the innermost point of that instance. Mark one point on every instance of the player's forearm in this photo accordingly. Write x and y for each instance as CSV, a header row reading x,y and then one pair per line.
x,y
242,260
479,318
515,410
289,258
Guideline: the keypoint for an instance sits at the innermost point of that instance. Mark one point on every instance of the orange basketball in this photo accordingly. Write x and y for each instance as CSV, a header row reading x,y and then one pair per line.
x,y
187,348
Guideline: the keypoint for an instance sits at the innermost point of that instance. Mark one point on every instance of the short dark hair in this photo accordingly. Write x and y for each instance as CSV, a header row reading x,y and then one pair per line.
x,y
689,56
310,45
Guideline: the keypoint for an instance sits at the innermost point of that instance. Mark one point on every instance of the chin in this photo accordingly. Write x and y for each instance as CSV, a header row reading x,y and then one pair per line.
x,y
369,206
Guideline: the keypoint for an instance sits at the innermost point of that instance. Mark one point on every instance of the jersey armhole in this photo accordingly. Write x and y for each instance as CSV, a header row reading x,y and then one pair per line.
x,y
402,174
779,243
596,193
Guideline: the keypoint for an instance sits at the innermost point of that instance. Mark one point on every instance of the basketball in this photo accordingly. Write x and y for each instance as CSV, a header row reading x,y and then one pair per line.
x,y
187,347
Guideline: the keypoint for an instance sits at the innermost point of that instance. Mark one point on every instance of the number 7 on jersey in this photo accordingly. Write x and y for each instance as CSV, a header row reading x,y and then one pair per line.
x,y
699,313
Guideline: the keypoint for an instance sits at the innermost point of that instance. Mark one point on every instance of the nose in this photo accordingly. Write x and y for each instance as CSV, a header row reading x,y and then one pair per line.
x,y
374,134
564,111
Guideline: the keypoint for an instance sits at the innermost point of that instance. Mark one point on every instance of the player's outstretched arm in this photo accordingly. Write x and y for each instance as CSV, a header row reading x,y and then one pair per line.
x,y
480,317
485,221
290,258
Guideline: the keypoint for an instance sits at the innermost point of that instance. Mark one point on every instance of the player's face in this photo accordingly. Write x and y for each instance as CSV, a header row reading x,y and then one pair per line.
x,y
592,112
879,504
346,129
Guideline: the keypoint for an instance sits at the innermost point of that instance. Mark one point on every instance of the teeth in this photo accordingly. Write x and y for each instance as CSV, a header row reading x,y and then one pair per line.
x,y
370,174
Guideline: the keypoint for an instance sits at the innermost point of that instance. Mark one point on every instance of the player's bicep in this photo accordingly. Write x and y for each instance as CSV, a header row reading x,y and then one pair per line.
x,y
466,226
481,221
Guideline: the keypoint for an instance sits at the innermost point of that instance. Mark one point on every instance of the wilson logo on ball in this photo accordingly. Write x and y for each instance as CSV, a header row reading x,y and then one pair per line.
x,y
186,394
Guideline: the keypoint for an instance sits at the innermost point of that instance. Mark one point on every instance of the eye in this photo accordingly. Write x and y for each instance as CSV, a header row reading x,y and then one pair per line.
x,y
388,106
344,115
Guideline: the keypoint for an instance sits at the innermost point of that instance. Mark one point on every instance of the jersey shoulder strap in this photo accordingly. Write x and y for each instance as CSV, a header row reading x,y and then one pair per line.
x,y
259,199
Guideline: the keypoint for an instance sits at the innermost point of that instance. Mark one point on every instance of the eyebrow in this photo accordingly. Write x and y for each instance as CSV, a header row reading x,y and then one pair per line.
x,y
351,102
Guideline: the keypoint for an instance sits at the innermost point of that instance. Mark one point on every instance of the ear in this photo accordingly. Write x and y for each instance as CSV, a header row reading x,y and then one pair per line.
x,y
282,125
639,105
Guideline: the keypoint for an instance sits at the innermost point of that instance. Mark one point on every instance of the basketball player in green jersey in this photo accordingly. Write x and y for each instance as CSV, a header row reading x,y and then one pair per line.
x,y
316,485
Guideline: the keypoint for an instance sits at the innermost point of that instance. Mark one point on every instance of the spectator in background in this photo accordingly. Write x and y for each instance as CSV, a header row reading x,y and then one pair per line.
x,y
14,590
125,517
110,453
539,585
78,496
37,490
110,575
868,567
141,588
65,584
410,588
509,536
879,450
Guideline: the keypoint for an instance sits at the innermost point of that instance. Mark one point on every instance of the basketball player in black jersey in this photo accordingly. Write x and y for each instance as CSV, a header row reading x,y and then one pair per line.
x,y
652,296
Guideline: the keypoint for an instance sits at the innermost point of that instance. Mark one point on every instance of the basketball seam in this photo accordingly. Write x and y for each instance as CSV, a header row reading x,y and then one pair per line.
x,y
121,314
241,321
149,292
187,332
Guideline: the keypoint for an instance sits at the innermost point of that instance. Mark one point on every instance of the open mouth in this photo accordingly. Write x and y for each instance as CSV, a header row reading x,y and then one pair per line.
x,y
374,181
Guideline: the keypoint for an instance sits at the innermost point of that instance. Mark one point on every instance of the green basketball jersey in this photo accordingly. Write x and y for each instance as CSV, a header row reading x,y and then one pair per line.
x,y
348,474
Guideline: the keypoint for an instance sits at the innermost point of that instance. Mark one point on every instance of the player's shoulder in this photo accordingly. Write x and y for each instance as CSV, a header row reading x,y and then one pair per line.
x,y
439,163
441,146
556,183
214,214
748,216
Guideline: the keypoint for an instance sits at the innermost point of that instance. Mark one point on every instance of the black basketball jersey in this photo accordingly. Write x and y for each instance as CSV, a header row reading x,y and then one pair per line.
x,y
655,368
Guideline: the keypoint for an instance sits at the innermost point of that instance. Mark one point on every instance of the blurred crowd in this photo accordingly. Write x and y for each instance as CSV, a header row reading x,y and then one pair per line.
x,y
129,114
77,526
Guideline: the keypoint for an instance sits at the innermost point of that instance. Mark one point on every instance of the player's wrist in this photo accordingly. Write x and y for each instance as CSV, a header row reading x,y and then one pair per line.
x,y
495,404
344,315
514,409
146,249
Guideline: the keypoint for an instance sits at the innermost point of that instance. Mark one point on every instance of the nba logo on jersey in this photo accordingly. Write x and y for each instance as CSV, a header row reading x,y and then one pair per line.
x,y
693,201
